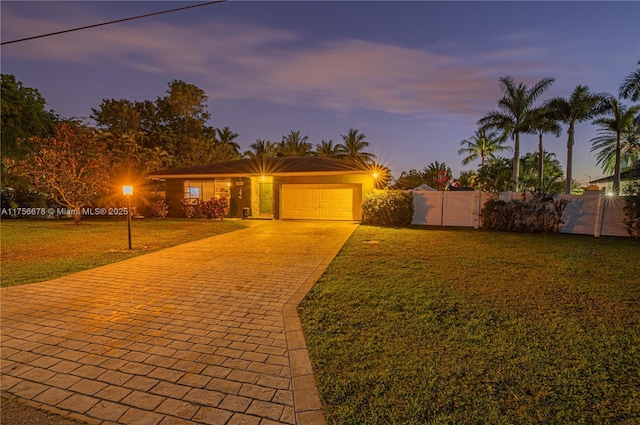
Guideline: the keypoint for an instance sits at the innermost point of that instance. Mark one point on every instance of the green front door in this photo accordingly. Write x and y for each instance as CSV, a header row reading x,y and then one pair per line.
x,y
266,204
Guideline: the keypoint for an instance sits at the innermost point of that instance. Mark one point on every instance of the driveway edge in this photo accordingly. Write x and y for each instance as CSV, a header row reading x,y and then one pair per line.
x,y
306,398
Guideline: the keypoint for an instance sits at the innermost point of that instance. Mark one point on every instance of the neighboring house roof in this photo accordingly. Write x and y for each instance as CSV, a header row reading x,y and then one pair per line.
x,y
265,166
632,174
424,187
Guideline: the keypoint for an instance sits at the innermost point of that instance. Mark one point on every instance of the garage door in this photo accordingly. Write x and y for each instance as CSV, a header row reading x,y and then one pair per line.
x,y
317,202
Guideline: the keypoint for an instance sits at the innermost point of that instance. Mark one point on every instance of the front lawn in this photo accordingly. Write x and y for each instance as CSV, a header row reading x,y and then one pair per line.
x,y
459,326
36,250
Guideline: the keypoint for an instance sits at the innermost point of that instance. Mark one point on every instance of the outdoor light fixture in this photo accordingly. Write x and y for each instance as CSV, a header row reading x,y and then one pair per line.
x,y
127,191
264,178
375,175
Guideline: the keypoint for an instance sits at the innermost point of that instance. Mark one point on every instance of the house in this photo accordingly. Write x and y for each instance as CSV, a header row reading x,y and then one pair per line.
x,y
626,177
281,188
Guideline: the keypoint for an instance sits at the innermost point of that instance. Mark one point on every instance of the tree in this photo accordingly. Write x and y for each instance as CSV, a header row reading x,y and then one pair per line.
x,y
581,106
410,179
481,145
72,167
466,179
605,145
630,87
262,148
514,108
621,119
542,121
553,180
294,145
326,149
226,136
352,148
495,176
437,175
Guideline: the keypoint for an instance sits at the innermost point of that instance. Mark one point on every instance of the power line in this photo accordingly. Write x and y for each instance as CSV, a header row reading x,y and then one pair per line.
x,y
113,22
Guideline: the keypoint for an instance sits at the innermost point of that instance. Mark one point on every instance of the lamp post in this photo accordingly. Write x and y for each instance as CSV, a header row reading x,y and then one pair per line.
x,y
127,191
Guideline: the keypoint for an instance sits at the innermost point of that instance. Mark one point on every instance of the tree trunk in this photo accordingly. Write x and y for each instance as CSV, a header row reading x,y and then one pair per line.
x,y
540,162
616,169
516,161
567,185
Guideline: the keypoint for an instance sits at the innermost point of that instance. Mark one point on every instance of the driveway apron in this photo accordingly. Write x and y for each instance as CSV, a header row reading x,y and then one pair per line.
x,y
206,332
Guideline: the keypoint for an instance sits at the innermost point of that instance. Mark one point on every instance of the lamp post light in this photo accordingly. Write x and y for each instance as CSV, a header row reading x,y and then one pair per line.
x,y
127,191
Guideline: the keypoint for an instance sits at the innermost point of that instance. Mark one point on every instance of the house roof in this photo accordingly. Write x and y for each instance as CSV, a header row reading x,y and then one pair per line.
x,y
632,174
265,166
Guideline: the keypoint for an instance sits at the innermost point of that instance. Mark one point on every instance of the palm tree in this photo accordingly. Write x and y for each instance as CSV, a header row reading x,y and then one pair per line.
x,y
226,136
353,146
326,149
481,145
542,121
605,143
262,148
630,87
294,145
530,173
581,106
621,119
437,175
511,118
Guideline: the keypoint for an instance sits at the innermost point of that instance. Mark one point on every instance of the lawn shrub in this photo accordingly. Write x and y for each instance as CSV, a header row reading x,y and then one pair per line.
x,y
535,213
189,207
214,208
388,208
632,209
160,209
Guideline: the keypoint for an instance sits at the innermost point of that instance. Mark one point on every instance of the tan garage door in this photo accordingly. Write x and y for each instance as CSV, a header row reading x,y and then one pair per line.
x,y
317,202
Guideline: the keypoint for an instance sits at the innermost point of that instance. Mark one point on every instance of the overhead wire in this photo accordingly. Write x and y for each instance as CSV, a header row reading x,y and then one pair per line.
x,y
113,22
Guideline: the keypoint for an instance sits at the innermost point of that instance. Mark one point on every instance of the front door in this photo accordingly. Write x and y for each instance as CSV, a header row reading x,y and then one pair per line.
x,y
266,201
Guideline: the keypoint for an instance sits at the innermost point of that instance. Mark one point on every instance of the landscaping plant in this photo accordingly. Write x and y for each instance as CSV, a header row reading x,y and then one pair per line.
x,y
632,209
388,207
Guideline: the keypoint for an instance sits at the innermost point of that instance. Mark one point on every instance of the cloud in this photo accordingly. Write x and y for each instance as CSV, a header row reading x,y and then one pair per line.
x,y
244,61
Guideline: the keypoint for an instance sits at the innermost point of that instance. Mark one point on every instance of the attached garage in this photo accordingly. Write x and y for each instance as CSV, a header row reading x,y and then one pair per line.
x,y
317,202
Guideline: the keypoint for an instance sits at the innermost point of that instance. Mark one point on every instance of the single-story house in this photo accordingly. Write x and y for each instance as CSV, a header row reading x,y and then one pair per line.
x,y
311,188
626,177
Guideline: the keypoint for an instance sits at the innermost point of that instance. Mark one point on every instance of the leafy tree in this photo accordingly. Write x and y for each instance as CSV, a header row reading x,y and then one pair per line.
x,y
605,145
120,117
410,179
294,145
353,146
621,119
262,148
495,176
542,121
581,106
553,181
437,175
72,167
466,179
326,149
630,87
481,145
514,108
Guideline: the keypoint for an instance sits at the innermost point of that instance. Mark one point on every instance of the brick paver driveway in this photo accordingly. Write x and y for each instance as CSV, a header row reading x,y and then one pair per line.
x,y
206,332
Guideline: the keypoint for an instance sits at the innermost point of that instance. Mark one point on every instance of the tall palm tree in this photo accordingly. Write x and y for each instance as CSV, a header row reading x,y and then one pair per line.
x,y
542,121
226,136
481,145
630,87
511,118
605,144
262,148
326,149
294,145
352,148
581,106
620,120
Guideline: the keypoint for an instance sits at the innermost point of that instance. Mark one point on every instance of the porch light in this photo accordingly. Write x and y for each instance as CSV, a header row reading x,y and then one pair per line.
x,y
127,191
375,175
264,178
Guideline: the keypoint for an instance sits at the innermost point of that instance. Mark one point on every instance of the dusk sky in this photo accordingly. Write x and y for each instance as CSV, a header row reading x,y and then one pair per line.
x,y
415,77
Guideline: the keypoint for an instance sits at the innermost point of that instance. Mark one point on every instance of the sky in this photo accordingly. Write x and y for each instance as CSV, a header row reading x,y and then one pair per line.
x,y
414,77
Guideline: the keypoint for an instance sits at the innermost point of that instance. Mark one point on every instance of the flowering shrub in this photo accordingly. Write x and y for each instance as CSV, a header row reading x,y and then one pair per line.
x,y
388,208
189,207
214,208
160,209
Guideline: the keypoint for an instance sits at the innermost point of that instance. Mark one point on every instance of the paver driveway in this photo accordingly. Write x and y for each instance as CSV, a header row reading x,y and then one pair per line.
x,y
205,332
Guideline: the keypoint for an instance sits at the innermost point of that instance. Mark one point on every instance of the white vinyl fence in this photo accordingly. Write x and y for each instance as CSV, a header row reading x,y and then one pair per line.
x,y
588,214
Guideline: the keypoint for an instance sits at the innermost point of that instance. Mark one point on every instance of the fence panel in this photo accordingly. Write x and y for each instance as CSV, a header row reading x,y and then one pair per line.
x,y
427,208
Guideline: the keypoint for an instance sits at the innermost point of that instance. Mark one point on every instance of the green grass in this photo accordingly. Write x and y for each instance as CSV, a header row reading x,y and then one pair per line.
x,y
37,250
456,326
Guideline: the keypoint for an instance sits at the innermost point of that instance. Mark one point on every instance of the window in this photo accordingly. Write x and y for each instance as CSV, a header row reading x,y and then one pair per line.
x,y
222,188
192,192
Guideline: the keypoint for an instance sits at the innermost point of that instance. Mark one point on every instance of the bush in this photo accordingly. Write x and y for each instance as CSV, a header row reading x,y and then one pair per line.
x,y
214,208
535,213
189,207
632,209
388,208
160,209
